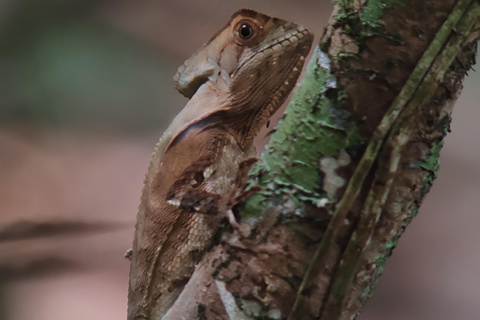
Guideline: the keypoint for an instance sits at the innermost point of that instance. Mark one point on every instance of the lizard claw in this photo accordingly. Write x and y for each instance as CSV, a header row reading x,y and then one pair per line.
x,y
242,229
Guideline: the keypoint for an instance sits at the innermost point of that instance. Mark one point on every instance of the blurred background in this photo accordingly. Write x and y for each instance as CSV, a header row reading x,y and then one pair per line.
x,y
85,93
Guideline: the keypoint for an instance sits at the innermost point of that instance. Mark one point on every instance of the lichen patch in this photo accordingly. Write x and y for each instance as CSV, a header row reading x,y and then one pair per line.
x,y
332,182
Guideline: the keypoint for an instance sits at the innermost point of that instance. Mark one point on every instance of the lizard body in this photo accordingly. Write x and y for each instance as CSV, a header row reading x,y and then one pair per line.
x,y
235,82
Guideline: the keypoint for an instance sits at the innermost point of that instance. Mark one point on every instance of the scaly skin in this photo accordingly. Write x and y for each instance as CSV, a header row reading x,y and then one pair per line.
x,y
236,81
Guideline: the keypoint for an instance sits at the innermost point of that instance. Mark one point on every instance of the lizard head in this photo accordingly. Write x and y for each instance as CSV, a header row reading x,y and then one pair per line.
x,y
257,59
267,70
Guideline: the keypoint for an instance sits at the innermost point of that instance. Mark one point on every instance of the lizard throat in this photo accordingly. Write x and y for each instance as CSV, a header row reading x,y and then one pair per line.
x,y
258,119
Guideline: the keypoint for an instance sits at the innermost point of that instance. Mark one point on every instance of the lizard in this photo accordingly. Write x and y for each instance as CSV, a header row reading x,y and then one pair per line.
x,y
235,82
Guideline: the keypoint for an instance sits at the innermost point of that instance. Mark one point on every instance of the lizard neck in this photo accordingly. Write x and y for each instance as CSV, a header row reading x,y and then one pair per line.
x,y
198,108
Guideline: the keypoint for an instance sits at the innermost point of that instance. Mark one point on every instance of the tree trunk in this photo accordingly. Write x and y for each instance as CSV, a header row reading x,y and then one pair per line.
x,y
347,167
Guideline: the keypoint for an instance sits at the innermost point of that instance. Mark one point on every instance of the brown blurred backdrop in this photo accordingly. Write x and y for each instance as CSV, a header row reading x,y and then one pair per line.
x,y
85,92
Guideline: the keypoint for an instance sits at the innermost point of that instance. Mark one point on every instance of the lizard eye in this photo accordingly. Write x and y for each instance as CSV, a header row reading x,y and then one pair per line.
x,y
245,31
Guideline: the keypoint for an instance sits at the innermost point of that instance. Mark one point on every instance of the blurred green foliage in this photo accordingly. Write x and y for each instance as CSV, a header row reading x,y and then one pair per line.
x,y
61,65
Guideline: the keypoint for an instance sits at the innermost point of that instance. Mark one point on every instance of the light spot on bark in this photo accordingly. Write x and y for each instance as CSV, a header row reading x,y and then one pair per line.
x,y
275,314
332,181
322,202
228,301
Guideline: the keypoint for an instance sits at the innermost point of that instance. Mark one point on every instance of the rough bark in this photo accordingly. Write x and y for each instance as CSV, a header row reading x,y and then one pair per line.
x,y
347,167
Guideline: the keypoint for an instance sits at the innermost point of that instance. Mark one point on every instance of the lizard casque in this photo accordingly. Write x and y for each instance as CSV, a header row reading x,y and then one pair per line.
x,y
235,82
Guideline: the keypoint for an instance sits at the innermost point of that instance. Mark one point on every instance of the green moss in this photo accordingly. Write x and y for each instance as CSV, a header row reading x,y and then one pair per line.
x,y
432,161
370,288
412,213
314,125
380,262
373,10
364,24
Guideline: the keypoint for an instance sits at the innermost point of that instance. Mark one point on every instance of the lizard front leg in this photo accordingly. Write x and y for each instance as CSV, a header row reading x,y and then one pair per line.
x,y
189,192
207,186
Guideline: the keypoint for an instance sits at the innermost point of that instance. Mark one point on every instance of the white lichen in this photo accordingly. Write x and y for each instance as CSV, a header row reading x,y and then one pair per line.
x,y
332,181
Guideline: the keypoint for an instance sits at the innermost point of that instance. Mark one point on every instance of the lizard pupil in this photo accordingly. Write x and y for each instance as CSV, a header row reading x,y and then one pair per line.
x,y
245,31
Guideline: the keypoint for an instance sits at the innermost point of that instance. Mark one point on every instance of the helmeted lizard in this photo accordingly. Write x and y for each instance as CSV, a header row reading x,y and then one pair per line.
x,y
235,82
